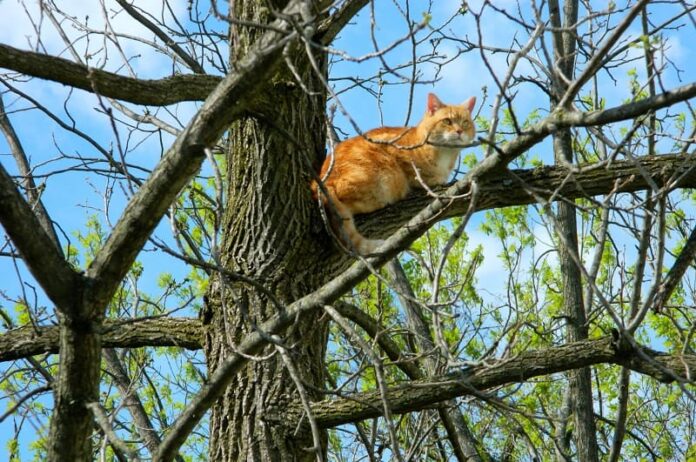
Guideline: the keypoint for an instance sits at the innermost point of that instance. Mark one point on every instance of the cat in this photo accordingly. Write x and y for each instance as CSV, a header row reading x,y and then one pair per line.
x,y
369,172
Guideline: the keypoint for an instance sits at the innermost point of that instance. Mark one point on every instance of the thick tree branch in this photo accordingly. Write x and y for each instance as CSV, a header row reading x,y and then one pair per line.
x,y
504,189
565,222
167,40
162,92
231,97
333,25
420,394
28,341
38,250
676,272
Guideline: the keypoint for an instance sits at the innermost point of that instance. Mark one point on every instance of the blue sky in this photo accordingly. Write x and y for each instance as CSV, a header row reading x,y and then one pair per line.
x,y
71,197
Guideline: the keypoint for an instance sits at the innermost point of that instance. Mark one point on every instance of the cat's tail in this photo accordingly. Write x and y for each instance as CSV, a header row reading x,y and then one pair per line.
x,y
343,226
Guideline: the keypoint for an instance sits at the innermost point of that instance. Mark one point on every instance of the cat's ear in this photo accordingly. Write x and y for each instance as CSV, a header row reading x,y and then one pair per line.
x,y
434,103
469,104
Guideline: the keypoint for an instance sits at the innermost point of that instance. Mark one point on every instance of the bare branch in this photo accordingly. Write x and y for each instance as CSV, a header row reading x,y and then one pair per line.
x,y
596,61
162,92
229,99
103,421
32,191
39,252
134,333
180,52
561,118
420,394
676,272
378,367
377,332
23,399
332,26
132,401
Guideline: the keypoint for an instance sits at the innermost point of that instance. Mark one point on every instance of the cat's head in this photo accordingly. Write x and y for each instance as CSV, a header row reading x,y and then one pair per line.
x,y
448,124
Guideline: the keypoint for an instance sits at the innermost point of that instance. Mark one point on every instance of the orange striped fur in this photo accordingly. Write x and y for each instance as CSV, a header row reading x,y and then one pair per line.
x,y
379,168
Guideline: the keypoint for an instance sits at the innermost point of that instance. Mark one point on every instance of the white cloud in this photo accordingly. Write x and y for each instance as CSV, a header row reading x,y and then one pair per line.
x,y
18,30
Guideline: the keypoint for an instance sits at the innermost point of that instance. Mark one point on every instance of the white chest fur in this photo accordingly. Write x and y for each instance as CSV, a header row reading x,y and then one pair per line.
x,y
444,164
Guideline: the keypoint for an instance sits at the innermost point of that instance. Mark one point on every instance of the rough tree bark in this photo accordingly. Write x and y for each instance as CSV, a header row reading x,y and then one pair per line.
x,y
580,380
267,238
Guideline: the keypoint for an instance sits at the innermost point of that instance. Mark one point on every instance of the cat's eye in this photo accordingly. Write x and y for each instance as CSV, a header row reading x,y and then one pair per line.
x,y
447,121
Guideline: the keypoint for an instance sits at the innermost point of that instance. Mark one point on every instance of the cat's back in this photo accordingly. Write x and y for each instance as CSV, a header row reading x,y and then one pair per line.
x,y
375,142
386,136
369,156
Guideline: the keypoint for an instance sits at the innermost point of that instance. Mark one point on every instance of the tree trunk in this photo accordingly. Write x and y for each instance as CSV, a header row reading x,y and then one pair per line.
x,y
579,381
77,384
266,238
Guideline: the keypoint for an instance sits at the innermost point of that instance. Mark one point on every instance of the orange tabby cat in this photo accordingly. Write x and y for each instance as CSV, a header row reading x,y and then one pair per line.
x,y
379,168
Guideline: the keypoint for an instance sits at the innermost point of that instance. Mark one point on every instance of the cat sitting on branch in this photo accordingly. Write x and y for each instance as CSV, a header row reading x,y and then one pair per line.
x,y
382,166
